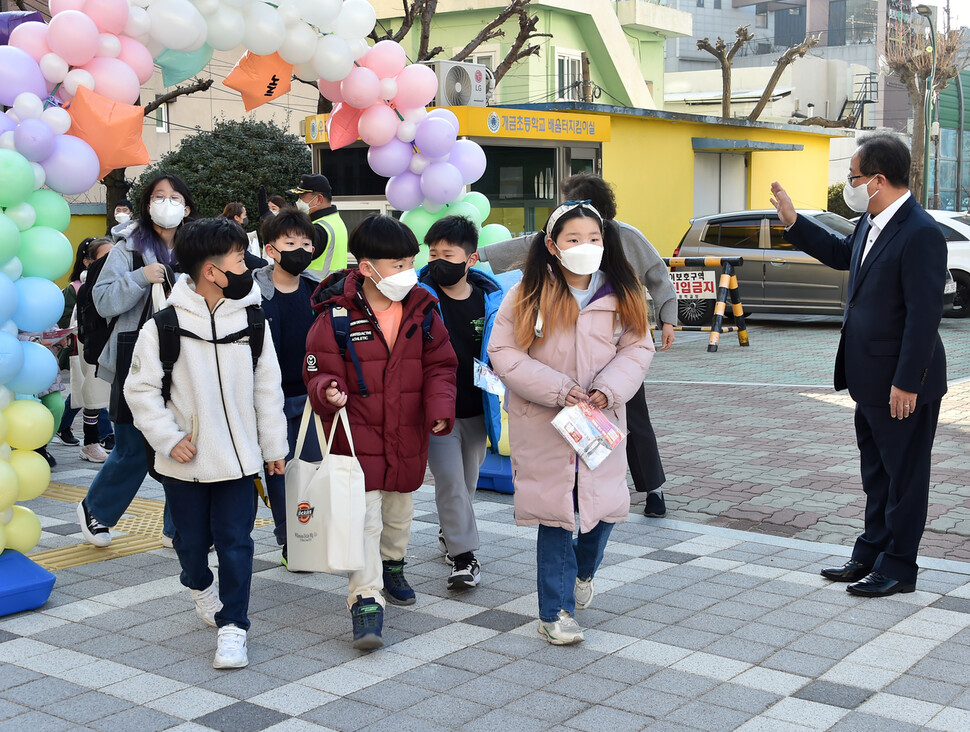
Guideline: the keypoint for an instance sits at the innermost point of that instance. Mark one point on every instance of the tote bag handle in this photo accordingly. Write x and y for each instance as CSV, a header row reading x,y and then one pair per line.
x,y
305,423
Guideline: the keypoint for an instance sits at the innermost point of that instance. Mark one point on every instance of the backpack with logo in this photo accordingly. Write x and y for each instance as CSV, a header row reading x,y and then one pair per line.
x,y
93,329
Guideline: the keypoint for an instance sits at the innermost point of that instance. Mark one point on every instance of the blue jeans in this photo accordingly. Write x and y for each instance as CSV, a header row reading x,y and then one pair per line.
x,y
276,484
560,559
120,477
223,514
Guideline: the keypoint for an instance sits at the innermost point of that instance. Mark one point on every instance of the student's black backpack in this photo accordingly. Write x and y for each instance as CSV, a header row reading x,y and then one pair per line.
x,y
93,329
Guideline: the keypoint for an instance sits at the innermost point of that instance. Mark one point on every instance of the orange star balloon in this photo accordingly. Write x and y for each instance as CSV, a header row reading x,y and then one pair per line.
x,y
111,128
260,79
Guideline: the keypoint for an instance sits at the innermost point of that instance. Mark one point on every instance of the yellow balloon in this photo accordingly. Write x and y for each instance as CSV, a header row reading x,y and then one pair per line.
x,y
3,427
3,538
23,531
33,472
31,424
9,485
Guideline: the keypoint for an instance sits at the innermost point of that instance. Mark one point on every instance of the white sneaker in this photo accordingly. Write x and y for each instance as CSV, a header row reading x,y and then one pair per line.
x,y
207,604
91,529
562,632
583,593
167,542
231,651
94,453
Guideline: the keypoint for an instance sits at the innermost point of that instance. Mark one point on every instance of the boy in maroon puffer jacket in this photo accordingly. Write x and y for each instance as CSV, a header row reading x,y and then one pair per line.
x,y
395,373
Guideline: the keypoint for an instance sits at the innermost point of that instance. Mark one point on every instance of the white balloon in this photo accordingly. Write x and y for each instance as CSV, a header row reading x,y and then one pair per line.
x,y
207,7
265,30
108,45
200,39
299,45
359,48
305,71
40,175
238,3
406,131
388,89
13,269
333,59
175,23
414,115
139,24
53,67
140,3
155,48
418,163
5,453
432,207
13,115
320,13
23,215
226,29
6,140
28,106
76,78
6,396
58,119
356,20
289,12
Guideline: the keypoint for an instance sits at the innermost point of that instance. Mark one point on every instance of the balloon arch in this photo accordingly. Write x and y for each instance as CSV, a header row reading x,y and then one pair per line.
x,y
71,87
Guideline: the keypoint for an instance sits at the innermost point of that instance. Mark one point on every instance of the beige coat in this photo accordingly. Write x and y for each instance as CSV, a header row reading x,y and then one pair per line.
x,y
596,354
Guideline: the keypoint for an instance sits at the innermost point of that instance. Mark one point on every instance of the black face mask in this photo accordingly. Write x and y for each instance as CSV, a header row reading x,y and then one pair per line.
x,y
237,285
245,222
295,261
445,273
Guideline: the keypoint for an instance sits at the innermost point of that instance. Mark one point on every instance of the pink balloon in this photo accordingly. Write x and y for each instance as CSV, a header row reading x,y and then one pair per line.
x,y
386,59
32,38
114,80
73,166
469,158
378,125
137,57
59,6
330,90
416,86
390,159
111,16
73,36
360,88
404,191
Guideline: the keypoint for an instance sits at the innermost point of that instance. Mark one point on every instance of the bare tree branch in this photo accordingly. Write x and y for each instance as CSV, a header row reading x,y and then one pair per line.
x,y
428,8
822,122
410,13
784,61
725,59
492,30
518,49
180,91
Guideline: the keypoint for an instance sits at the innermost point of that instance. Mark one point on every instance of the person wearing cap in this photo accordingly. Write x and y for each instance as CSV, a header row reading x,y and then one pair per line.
x,y
330,248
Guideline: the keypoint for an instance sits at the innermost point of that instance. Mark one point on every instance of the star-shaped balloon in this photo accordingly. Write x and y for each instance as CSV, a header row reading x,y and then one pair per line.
x,y
112,129
260,79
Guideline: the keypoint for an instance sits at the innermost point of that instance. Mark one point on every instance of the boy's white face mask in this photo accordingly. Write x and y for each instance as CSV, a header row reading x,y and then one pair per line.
x,y
396,286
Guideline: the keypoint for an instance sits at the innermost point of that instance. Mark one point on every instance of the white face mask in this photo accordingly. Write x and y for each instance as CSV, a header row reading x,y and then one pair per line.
x,y
167,214
303,205
397,286
857,197
582,259
122,218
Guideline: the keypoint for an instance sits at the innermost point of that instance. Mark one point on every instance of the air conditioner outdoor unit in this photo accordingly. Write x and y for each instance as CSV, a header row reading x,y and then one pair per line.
x,y
460,84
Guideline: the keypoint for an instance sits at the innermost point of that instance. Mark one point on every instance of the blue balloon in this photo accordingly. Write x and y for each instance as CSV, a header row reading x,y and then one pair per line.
x,y
40,304
11,357
8,298
38,372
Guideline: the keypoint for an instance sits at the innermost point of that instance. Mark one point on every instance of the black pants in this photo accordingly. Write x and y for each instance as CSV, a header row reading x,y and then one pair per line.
x,y
895,460
642,452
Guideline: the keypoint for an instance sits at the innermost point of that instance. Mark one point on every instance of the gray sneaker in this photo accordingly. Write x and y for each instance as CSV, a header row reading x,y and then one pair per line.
x,y
583,593
564,631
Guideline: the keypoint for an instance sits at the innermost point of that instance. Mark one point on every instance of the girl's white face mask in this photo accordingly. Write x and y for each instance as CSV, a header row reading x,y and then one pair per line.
x,y
582,259
167,214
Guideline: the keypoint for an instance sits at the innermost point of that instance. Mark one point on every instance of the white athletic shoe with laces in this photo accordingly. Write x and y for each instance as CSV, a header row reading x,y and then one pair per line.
x,y
207,604
563,631
583,593
231,651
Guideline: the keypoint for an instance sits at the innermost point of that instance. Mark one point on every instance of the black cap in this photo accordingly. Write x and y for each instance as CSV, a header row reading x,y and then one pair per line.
x,y
313,184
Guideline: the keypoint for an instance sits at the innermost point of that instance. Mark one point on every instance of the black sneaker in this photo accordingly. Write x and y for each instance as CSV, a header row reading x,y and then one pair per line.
x,y
66,437
93,531
466,572
108,443
396,587
655,508
368,618
42,451
283,558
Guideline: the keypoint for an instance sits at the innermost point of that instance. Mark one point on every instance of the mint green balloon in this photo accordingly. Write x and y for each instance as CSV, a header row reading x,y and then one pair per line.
x,y
493,233
419,220
45,252
421,258
16,178
479,201
51,209
466,209
9,239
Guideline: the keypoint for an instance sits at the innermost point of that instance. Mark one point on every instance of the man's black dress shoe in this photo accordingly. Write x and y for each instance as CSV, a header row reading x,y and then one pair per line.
x,y
851,571
879,585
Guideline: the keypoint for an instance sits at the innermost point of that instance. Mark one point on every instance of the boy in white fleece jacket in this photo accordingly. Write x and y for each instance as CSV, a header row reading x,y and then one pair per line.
x,y
223,421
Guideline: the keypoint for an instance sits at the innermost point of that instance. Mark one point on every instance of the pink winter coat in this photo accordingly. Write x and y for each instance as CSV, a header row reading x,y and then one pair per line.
x,y
596,354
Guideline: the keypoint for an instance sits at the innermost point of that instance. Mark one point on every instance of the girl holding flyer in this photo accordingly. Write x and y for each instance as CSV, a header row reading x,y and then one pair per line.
x,y
573,330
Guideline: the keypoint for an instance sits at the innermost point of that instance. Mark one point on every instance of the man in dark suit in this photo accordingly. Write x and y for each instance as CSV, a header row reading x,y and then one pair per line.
x,y
890,355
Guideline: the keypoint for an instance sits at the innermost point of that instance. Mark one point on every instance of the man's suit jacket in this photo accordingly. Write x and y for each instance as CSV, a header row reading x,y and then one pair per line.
x,y
890,330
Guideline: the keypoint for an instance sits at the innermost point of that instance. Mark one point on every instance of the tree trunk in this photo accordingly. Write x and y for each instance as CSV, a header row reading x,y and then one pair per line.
x,y
726,90
116,187
916,177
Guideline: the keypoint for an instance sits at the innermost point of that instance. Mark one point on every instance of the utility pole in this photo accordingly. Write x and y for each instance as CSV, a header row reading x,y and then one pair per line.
x,y
587,85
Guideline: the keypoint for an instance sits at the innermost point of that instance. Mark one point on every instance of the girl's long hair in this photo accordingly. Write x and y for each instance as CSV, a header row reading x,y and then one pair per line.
x,y
144,236
544,290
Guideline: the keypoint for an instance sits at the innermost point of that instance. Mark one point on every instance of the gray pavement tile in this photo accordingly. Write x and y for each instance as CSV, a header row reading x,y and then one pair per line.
x,y
519,585
38,694
192,671
718,624
8,709
476,660
617,604
598,718
531,673
582,686
153,658
142,719
35,721
16,675
157,631
106,645
940,670
836,695
391,695
7,636
820,645
915,687
962,701
70,635
738,609
501,719
116,620
490,690
547,705
346,715
762,598
699,715
403,722
686,599
285,639
641,591
624,670
786,618
742,698
740,649
737,580
413,623
712,590
683,637
244,683
956,604
241,717
498,620
455,710
577,657
770,634
947,651
803,664
859,722
513,644
679,682
665,725
85,708
289,667
435,677
661,613
645,702
632,626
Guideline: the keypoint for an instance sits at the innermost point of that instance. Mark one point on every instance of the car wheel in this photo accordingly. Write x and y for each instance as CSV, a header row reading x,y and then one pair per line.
x,y
695,312
961,301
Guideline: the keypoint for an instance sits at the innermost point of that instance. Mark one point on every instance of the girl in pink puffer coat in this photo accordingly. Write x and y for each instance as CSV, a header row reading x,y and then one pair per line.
x,y
574,329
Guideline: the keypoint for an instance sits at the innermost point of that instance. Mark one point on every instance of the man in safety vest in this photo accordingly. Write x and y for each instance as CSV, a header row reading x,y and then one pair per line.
x,y
330,245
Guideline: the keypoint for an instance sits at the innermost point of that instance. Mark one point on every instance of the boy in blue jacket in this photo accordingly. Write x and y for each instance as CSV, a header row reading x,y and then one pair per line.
x,y
468,300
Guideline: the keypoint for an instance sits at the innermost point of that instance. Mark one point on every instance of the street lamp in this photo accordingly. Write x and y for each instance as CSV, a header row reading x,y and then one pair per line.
x,y
927,12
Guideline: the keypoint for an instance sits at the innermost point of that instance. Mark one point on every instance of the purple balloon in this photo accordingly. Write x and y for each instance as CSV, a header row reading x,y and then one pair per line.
x,y
441,182
469,158
34,140
435,137
73,167
19,73
447,114
390,159
404,191
6,124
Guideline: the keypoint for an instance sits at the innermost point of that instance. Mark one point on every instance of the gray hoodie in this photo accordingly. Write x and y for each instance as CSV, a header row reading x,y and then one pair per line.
x,y
264,278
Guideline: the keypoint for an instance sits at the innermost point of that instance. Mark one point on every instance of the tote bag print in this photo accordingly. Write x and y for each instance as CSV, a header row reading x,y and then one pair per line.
x,y
325,505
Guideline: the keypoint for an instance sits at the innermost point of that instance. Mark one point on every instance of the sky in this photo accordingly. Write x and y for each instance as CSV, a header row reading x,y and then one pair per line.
x,y
959,11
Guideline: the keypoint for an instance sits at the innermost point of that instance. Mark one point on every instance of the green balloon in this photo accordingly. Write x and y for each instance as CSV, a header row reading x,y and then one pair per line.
x,y
419,220
51,209
479,201
177,66
493,233
45,252
466,209
16,178
9,239
421,258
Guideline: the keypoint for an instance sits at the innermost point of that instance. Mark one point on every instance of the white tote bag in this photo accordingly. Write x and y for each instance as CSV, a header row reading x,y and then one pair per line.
x,y
325,505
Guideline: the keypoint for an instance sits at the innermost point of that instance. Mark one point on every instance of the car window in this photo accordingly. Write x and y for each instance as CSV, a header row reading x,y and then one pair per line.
x,y
738,234
776,233
965,220
835,222
951,234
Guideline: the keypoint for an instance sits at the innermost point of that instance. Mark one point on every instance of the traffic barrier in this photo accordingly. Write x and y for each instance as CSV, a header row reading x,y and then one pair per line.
x,y
727,285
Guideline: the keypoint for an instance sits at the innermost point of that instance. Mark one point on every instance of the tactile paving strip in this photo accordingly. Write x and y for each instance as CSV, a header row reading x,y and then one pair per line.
x,y
139,530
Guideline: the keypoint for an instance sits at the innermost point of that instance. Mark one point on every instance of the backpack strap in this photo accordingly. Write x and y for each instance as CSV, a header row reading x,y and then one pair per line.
x,y
425,324
340,320
169,346
257,331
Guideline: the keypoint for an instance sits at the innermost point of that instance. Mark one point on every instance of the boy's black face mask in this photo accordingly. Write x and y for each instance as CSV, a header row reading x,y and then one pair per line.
x,y
237,285
445,273
295,261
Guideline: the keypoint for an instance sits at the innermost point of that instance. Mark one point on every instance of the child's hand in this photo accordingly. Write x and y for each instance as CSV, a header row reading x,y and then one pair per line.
x,y
184,451
439,425
598,399
276,467
336,397
575,396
